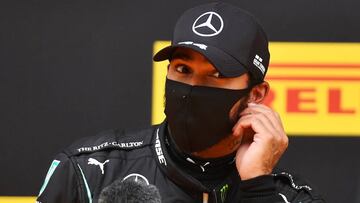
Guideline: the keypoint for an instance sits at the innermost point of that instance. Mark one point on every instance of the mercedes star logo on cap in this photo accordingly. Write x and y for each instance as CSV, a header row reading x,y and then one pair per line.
x,y
211,21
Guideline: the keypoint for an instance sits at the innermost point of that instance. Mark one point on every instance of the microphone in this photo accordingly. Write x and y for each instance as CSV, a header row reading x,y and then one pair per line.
x,y
129,191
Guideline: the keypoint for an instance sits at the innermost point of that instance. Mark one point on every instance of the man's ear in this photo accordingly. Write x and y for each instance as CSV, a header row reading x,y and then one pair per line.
x,y
259,92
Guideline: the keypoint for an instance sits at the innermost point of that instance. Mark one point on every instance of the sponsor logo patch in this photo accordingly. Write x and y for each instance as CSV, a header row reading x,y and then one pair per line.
x,y
201,46
137,178
208,24
158,149
121,145
223,192
92,161
258,63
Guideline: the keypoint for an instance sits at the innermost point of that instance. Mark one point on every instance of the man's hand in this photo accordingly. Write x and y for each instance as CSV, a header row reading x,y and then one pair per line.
x,y
263,142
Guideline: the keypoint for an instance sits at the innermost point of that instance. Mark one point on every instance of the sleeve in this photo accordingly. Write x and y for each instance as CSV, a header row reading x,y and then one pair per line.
x,y
60,184
268,189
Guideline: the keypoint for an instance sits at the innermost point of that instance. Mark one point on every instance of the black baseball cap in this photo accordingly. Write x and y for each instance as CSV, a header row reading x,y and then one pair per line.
x,y
229,37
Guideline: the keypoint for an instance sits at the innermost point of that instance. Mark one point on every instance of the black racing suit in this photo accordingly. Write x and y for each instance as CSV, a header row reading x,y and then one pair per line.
x,y
81,171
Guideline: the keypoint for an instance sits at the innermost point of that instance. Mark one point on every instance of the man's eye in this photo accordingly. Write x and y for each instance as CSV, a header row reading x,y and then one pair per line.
x,y
182,69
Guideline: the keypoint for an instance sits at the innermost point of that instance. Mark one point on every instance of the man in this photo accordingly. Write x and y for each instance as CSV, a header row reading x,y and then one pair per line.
x,y
218,142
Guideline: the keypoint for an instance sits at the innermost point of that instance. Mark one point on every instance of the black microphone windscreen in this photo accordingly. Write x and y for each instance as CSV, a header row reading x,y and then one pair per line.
x,y
129,191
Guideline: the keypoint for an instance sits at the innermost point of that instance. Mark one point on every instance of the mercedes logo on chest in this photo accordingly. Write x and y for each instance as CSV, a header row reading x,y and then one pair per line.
x,y
137,178
208,24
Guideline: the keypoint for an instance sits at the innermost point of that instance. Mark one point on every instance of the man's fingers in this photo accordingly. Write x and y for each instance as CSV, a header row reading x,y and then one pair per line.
x,y
264,121
273,116
258,123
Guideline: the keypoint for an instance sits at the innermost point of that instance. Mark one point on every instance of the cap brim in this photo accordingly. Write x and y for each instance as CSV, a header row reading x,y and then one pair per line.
x,y
223,62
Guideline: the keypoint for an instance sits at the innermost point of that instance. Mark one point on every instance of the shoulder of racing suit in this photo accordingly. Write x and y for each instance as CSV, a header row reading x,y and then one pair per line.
x,y
79,172
113,139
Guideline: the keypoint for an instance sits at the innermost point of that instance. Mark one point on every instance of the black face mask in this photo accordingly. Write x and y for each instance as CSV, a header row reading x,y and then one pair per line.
x,y
198,116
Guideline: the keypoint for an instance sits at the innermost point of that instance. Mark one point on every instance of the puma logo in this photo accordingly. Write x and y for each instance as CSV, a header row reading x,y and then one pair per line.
x,y
93,161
